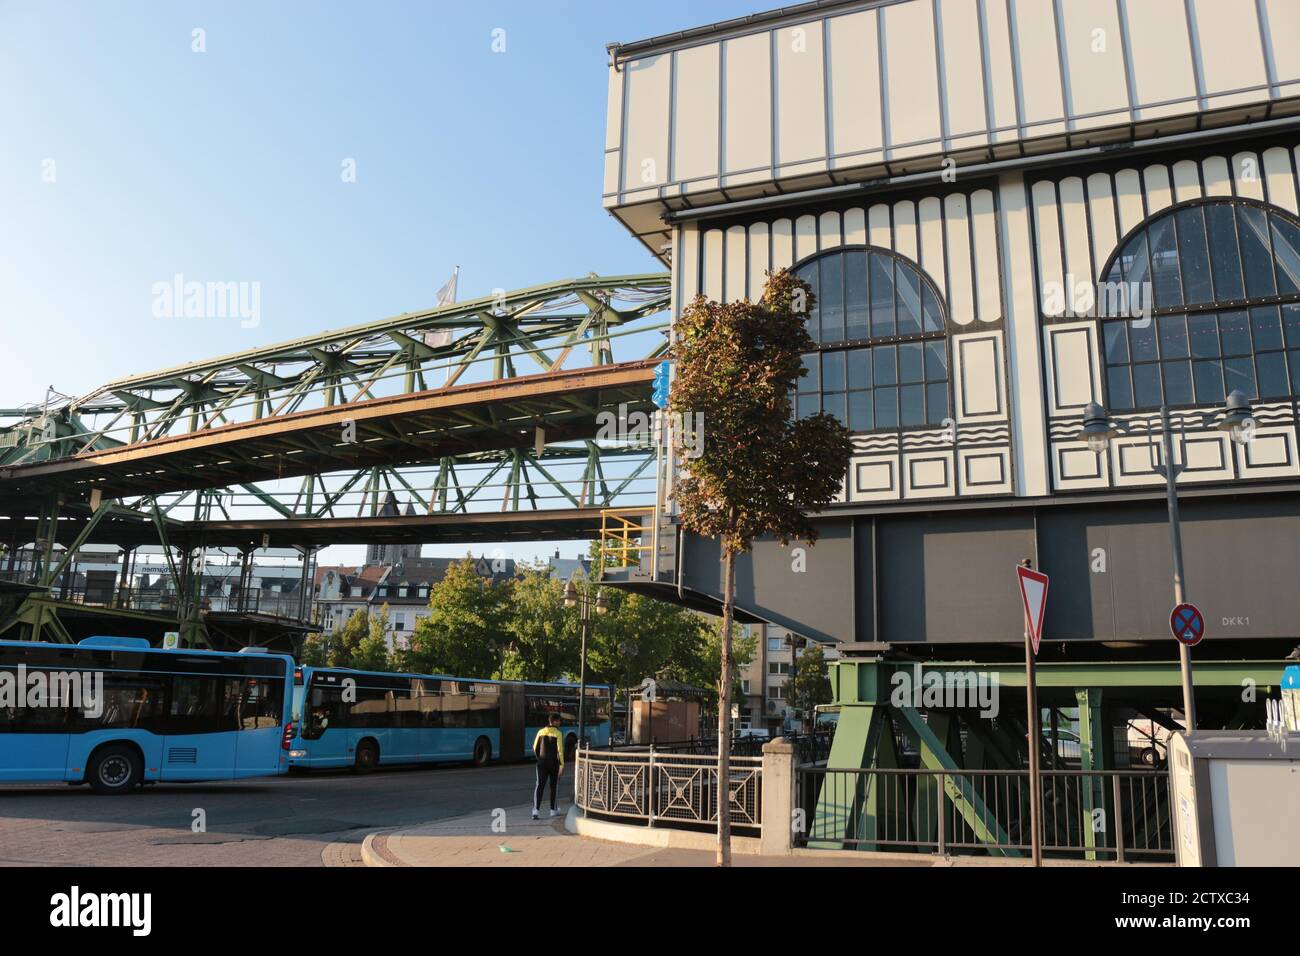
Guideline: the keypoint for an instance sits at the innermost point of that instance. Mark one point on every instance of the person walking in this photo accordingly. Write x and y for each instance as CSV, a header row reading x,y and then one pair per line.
x,y
548,748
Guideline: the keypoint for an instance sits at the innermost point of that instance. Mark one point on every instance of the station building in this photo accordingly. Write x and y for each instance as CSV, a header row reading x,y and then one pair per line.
x,y
1008,210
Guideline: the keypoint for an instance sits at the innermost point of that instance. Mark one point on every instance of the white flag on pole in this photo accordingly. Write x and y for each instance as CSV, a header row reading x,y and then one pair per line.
x,y
446,296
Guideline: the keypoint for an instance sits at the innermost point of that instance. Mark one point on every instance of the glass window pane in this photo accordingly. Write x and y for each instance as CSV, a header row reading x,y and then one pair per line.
x,y
1178,383
832,371
886,407
809,405
1286,254
882,295
1194,262
1239,375
1234,333
1252,227
1224,254
1272,374
936,403
913,399
1121,389
1266,327
933,314
1146,386
860,419
936,361
1203,331
831,298
814,313
882,365
855,296
1142,338
910,359
860,368
833,404
1293,359
1208,377
909,300
1116,336
1164,264
810,382
1137,267
1173,336
1291,323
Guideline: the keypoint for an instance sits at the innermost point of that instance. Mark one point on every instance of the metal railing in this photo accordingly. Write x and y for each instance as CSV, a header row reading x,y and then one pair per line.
x,y
1116,815
624,536
667,789
809,748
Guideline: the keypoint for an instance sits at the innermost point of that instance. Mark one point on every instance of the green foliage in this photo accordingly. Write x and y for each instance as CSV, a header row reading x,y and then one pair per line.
x,y
359,643
543,634
760,471
812,683
463,633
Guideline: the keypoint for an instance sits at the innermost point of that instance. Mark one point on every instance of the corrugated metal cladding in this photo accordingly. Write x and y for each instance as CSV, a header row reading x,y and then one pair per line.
x,y
896,80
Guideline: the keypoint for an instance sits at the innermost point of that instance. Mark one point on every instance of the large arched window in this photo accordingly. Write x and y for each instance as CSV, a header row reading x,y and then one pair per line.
x,y
1219,281
882,355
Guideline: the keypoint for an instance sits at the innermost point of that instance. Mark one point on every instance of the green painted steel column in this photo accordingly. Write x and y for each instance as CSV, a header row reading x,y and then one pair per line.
x,y
1092,756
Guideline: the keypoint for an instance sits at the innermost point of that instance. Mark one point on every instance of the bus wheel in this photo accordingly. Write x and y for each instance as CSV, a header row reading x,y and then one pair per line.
x,y
367,756
114,769
482,752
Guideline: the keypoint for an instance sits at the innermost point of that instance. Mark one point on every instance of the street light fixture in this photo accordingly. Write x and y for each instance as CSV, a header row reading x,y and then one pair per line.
x,y
1098,430
583,600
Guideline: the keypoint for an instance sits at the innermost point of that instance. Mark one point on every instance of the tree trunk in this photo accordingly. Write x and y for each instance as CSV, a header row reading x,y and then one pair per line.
x,y
724,713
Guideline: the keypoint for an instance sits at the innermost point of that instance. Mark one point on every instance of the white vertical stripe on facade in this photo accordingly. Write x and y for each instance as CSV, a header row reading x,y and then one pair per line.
x,y
988,284
1047,230
645,158
962,63
695,117
800,73
737,273
1128,197
805,237
1155,180
878,231
1040,67
912,76
1002,81
688,265
1187,180
713,259
782,244
759,260
1231,54
1161,80
855,84
961,297
748,107
1078,255
1280,179
1101,214
930,213
1248,175
1095,55
855,227
905,229
828,230
1218,182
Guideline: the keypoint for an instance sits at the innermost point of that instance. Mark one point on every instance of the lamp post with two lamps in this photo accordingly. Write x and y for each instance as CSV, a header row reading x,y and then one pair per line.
x,y
585,604
1237,421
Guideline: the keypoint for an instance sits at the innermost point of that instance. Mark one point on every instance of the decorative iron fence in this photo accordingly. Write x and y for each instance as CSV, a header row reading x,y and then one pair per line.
x,y
667,789
809,748
1095,815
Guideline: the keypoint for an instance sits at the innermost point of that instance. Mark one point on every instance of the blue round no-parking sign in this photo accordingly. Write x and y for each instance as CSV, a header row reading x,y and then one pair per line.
x,y
1187,624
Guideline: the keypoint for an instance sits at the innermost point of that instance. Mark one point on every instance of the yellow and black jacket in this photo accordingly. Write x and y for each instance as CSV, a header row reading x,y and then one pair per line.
x,y
549,745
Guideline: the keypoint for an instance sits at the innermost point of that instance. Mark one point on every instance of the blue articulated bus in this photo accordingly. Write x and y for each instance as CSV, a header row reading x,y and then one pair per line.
x,y
113,712
360,719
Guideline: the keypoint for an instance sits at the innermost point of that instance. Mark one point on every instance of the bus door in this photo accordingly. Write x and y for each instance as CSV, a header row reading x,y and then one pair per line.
x,y
206,750
259,712
512,722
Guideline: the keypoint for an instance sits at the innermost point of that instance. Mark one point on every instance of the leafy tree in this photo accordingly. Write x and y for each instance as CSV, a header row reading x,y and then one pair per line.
x,y
760,471
465,629
543,634
812,683
360,642
372,652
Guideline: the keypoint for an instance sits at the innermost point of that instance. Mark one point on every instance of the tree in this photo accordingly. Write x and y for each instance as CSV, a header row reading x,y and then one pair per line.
x,y
758,471
372,653
464,632
812,683
543,636
360,642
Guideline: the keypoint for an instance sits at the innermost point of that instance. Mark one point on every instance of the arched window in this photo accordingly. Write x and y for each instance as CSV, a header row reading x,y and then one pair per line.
x,y
882,354
1219,283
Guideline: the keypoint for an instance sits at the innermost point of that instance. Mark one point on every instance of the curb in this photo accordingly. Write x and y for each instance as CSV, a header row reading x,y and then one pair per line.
x,y
662,838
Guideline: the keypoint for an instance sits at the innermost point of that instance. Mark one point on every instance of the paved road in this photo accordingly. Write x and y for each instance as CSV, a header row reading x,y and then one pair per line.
x,y
281,821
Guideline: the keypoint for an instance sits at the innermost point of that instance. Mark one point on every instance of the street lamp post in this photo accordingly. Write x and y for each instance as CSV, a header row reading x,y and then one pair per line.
x,y
585,604
1099,429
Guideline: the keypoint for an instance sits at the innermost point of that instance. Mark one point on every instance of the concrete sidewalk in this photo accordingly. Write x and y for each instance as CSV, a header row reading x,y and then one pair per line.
x,y
522,841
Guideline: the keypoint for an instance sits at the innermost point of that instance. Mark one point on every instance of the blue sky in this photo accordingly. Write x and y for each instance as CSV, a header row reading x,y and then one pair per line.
x,y
225,166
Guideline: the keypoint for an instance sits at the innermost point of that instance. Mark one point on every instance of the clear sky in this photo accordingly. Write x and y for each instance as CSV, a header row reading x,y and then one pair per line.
x,y
226,166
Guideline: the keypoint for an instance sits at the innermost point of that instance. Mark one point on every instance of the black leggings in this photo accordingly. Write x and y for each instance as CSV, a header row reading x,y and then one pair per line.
x,y
548,771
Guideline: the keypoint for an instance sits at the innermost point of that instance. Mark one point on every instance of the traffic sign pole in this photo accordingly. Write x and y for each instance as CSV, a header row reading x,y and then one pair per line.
x,y
1176,540
1033,621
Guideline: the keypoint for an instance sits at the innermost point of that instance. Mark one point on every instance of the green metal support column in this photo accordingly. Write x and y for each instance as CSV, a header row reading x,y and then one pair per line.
x,y
1092,756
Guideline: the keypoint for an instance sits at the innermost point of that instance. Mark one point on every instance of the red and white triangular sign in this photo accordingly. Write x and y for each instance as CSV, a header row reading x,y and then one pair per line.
x,y
1033,591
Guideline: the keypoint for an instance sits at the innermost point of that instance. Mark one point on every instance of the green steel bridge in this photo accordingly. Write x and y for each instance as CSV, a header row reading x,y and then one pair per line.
x,y
483,416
